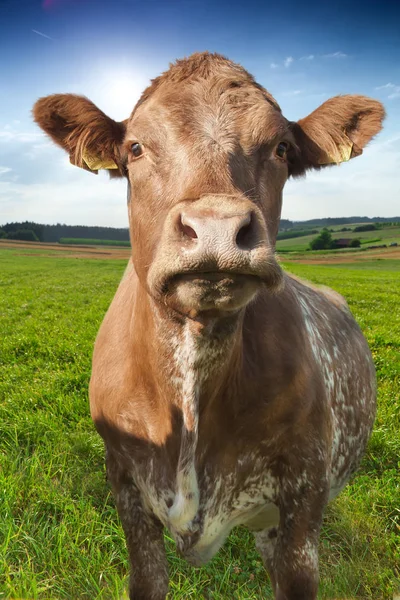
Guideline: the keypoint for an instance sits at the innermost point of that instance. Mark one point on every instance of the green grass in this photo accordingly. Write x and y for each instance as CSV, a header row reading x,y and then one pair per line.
x,y
93,242
60,537
295,233
381,264
386,235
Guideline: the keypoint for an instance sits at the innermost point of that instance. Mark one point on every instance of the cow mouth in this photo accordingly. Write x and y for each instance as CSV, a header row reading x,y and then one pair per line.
x,y
211,292
214,281
214,276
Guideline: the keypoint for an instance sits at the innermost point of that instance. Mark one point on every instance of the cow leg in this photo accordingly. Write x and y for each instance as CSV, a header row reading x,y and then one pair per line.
x,y
144,538
295,560
296,568
265,544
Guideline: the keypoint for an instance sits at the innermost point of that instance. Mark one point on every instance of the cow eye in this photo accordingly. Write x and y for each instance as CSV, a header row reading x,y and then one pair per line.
x,y
282,150
137,149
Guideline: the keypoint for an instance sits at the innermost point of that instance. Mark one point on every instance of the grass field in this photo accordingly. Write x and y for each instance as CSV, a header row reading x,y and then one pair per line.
x,y
60,537
92,242
386,235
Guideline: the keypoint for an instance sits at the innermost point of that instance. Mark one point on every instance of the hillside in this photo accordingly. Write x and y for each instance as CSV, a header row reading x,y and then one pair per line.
x,y
31,231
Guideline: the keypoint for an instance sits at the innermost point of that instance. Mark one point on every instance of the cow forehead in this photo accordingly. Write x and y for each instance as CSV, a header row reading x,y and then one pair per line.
x,y
207,69
209,110
197,93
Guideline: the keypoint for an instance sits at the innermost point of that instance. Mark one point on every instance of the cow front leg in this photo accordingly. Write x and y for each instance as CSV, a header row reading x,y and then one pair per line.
x,y
144,539
295,560
296,568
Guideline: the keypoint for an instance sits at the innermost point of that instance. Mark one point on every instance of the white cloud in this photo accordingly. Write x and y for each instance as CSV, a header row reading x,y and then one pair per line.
x,y
386,86
335,55
395,139
394,90
39,184
289,60
37,150
367,185
9,133
83,200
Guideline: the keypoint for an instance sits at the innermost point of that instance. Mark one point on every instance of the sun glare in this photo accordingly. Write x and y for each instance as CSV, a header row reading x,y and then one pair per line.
x,y
119,92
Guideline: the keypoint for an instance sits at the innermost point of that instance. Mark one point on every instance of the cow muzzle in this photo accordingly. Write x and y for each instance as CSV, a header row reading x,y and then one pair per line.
x,y
214,255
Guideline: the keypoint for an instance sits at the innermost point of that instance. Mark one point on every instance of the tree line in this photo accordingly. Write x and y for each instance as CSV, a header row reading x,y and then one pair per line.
x,y
37,232
31,231
332,221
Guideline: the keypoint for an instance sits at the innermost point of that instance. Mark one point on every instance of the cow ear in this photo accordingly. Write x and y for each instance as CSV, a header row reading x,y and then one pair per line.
x,y
335,132
92,140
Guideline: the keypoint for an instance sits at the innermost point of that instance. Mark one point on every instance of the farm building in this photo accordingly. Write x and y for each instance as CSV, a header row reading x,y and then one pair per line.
x,y
343,242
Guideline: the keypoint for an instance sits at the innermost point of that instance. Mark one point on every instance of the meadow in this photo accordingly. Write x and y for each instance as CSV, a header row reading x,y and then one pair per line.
x,y
386,235
60,537
93,242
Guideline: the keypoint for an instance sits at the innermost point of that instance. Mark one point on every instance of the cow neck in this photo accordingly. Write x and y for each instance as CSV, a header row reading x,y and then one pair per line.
x,y
195,359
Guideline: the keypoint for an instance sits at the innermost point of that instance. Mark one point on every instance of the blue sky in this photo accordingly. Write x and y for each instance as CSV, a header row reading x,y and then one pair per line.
x,y
302,52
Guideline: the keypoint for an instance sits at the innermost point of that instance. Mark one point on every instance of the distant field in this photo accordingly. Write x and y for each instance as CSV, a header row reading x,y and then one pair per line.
x,y
60,537
72,250
84,241
387,235
380,265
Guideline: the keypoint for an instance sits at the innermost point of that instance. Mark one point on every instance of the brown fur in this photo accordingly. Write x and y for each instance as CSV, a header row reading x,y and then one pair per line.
x,y
76,124
204,65
338,120
223,389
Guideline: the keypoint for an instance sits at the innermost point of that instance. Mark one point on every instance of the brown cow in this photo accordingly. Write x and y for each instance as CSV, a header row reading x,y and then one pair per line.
x,y
226,391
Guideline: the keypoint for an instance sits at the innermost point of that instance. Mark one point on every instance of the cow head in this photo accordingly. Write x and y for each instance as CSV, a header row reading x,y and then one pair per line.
x,y
207,152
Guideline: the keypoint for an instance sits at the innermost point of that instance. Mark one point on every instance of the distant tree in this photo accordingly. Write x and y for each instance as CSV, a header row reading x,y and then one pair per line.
x,y
367,227
323,241
52,233
2,233
26,235
295,233
29,225
355,243
285,224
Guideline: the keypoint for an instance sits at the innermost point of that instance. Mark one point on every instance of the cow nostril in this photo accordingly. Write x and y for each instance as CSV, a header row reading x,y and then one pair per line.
x,y
188,231
245,235
186,228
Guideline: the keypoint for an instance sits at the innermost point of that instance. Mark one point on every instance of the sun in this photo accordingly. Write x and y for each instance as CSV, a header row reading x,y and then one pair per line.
x,y
119,91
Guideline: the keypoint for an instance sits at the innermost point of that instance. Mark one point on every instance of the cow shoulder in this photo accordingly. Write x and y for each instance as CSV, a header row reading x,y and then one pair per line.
x,y
323,291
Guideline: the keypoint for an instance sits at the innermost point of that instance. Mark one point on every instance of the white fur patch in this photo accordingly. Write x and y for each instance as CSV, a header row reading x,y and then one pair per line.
x,y
339,364
186,502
